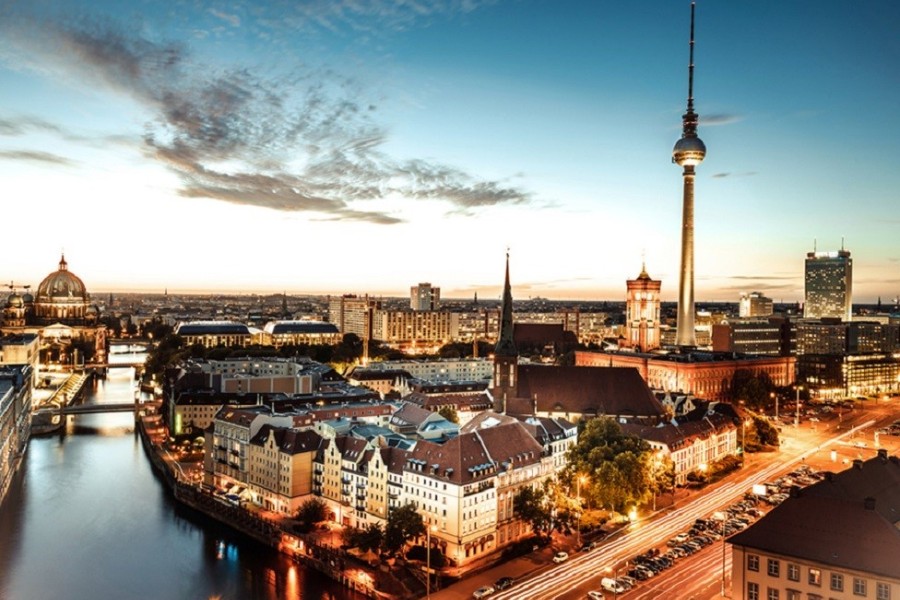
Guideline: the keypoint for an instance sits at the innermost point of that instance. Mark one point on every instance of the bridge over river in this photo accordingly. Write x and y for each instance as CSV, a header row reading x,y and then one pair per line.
x,y
88,409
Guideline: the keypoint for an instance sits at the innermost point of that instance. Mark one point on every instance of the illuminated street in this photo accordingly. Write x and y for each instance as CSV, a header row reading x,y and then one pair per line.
x,y
829,444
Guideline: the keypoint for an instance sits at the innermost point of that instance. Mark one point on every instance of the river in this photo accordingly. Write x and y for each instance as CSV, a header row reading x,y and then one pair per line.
x,y
86,518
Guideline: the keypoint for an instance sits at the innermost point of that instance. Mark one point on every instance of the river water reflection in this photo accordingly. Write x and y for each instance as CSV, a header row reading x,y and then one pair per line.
x,y
86,518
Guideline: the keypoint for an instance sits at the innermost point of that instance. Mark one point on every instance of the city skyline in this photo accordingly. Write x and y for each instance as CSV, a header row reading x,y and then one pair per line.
x,y
333,148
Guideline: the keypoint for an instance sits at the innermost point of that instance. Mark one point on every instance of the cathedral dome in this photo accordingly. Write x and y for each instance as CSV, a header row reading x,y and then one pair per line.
x,y
61,286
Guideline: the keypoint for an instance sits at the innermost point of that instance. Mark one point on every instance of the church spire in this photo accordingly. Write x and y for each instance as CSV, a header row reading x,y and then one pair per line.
x,y
506,346
506,356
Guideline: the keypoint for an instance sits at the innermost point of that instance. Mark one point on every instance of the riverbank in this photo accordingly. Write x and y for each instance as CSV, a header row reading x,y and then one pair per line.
x,y
313,550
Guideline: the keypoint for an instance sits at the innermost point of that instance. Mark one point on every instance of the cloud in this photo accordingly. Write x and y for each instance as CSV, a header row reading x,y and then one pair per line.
x,y
726,174
305,140
763,277
372,17
233,20
719,119
35,156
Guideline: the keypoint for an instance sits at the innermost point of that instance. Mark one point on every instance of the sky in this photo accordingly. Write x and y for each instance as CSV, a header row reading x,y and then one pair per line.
x,y
353,146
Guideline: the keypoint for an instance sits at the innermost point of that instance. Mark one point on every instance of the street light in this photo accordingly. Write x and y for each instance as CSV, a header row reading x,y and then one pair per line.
x,y
428,530
723,558
775,396
797,402
578,481
615,571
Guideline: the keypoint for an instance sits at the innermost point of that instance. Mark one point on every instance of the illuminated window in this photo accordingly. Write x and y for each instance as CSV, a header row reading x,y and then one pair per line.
x,y
815,577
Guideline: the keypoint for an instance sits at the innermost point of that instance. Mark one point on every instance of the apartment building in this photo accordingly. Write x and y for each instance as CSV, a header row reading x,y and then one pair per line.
x,y
280,467
836,539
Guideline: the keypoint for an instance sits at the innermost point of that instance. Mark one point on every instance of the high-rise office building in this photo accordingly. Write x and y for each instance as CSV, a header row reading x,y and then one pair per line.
x,y
689,151
424,297
755,304
829,285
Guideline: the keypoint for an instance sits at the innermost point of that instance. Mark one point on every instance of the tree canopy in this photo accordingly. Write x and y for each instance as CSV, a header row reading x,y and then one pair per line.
x,y
753,388
403,524
616,467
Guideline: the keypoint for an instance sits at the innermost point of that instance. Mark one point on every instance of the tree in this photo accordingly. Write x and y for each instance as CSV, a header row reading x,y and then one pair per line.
x,y
754,388
662,475
617,465
403,524
766,434
530,504
369,539
449,413
312,511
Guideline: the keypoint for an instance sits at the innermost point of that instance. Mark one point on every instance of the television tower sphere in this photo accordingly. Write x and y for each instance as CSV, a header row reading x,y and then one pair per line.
x,y
689,151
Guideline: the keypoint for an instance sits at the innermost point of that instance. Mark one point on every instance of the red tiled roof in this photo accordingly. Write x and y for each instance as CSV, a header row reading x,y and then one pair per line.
x,y
584,390
476,455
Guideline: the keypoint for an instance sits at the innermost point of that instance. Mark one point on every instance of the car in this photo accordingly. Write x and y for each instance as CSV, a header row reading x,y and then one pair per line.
x,y
483,592
590,545
595,595
611,585
560,557
503,583
625,582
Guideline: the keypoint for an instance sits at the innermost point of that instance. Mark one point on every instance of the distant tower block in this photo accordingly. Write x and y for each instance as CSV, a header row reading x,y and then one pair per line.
x,y
689,152
425,297
828,285
642,307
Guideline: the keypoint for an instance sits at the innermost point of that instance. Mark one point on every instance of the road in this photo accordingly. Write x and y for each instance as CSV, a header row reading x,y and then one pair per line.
x,y
700,576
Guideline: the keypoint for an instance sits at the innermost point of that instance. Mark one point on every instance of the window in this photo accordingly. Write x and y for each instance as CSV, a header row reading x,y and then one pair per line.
x,y
815,577
752,591
752,562
882,591
774,567
837,582
859,586
792,594
772,594
793,572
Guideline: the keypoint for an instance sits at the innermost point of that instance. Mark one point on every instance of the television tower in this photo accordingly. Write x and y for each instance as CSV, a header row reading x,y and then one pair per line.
x,y
688,152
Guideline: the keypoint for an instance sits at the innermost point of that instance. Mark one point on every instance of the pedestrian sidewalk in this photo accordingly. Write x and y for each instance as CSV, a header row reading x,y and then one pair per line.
x,y
516,568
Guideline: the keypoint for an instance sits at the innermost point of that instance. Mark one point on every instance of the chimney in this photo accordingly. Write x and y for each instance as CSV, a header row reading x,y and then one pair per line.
x,y
795,491
857,463
882,454
829,476
869,503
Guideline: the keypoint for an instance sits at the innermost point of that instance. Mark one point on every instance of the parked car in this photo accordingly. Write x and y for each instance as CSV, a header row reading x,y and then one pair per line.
x,y
611,585
483,592
595,595
560,557
503,583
